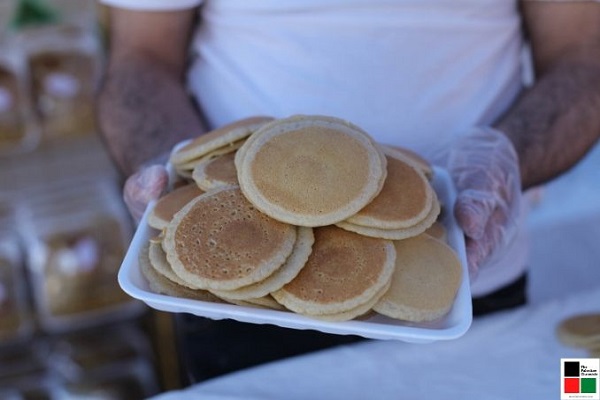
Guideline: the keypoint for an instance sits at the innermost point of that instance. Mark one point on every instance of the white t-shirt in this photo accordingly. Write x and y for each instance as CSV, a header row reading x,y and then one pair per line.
x,y
355,59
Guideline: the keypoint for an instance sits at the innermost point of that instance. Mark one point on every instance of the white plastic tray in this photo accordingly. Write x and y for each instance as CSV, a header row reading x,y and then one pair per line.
x,y
452,326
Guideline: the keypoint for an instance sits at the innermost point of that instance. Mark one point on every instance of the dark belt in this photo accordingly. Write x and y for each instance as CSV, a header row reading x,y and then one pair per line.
x,y
507,297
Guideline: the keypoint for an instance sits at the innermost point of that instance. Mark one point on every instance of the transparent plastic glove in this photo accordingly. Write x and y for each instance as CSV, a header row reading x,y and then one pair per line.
x,y
485,169
144,186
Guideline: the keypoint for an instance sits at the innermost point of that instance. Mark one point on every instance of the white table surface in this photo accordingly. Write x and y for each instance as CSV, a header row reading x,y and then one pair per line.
x,y
510,355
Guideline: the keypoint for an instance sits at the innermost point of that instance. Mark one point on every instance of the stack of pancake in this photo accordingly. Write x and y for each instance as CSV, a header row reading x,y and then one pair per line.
x,y
306,214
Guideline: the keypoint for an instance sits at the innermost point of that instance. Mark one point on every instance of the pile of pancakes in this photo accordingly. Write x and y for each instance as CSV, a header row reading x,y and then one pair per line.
x,y
307,214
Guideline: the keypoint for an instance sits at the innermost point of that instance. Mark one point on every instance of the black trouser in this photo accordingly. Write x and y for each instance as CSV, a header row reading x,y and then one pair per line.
x,y
507,297
211,348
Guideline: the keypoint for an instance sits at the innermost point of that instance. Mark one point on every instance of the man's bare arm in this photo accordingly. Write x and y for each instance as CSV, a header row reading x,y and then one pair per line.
x,y
557,120
143,106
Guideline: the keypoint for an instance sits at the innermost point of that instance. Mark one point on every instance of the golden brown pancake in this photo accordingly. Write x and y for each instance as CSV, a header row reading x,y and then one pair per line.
x,y
267,302
357,312
438,231
310,170
581,330
158,261
405,199
344,271
221,241
425,281
228,148
170,203
162,285
288,271
417,160
217,138
216,172
184,174
395,234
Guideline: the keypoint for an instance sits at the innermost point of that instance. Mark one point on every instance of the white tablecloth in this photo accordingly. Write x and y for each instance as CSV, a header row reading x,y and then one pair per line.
x,y
511,355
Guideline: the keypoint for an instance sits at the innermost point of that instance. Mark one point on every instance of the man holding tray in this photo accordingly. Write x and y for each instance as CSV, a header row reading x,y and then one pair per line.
x,y
449,80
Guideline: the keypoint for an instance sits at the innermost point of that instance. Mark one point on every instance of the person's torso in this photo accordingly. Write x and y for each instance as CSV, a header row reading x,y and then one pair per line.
x,y
409,72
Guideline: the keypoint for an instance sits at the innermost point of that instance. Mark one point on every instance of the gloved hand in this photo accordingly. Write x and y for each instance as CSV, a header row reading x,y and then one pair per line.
x,y
144,186
485,169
